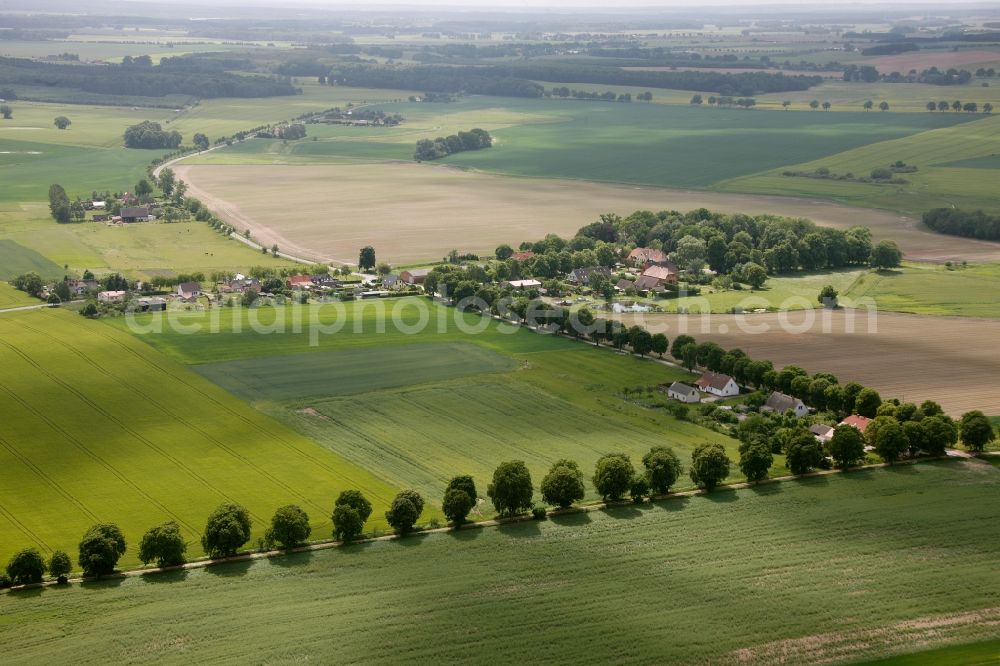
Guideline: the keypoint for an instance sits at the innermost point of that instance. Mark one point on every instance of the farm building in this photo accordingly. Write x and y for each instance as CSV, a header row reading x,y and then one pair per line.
x,y
857,421
415,276
134,214
683,392
524,284
189,291
640,256
779,403
822,432
152,304
718,384
111,296
582,276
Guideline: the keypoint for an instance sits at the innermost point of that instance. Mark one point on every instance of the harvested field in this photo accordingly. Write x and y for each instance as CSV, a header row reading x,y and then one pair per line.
x,y
951,360
414,212
919,60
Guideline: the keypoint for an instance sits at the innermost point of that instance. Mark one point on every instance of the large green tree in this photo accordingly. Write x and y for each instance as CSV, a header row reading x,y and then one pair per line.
x,y
890,441
404,511
709,465
26,567
976,430
350,512
163,544
663,468
101,548
289,527
60,565
59,205
613,475
366,258
847,446
511,488
756,460
563,484
227,529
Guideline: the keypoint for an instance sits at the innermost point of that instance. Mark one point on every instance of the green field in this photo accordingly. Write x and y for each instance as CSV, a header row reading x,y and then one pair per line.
x,y
345,372
834,569
932,290
649,144
11,298
417,409
99,427
973,654
942,178
16,259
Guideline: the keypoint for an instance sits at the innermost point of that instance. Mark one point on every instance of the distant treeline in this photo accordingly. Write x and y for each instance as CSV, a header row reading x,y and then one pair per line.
x,y
142,81
519,80
434,79
957,222
890,49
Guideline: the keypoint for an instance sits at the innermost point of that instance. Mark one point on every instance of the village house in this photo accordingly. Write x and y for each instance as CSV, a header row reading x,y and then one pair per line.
x,y
718,384
299,282
640,256
822,432
111,296
779,403
683,393
415,276
189,291
134,214
655,276
582,276
624,285
392,282
81,287
857,421
326,281
239,284
152,304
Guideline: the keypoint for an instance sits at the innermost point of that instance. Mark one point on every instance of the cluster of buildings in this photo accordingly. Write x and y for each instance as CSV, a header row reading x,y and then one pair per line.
x,y
717,385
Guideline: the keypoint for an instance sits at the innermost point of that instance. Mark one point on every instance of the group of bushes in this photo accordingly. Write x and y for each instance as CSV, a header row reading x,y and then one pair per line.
x,y
958,222
474,139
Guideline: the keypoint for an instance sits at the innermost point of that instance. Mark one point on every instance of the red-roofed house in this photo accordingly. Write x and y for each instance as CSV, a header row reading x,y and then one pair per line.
x,y
522,256
641,255
718,384
857,421
300,282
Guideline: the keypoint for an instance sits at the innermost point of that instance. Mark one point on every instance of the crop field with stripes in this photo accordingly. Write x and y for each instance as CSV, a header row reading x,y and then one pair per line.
x,y
97,427
837,569
417,409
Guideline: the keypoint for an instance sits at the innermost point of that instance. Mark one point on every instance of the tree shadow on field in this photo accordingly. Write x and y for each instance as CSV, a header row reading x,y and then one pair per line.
x,y
520,530
109,582
156,578
571,519
28,592
857,475
229,569
290,560
466,534
766,489
349,548
722,495
411,539
823,480
672,503
624,511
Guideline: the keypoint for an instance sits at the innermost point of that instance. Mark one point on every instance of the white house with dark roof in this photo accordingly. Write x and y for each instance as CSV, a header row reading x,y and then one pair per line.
x,y
718,384
683,393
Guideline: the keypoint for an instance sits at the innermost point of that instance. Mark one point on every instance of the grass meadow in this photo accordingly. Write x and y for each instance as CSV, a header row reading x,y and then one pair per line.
x,y
99,427
418,409
941,180
834,569
933,290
